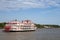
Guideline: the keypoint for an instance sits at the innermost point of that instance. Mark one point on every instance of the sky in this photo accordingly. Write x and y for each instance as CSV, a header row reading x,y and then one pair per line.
x,y
39,11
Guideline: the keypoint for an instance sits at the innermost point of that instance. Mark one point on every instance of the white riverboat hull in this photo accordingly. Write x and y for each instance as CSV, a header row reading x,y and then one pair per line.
x,y
26,25
21,29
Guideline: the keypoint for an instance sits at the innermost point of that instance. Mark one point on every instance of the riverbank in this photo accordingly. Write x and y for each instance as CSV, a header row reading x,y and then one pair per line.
x,y
37,25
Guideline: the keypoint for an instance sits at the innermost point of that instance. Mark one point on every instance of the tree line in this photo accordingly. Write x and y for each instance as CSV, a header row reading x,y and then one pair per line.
x,y
48,26
2,25
37,25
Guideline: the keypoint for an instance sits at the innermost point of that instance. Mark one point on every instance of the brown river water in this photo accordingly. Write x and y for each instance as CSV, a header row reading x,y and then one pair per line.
x,y
39,34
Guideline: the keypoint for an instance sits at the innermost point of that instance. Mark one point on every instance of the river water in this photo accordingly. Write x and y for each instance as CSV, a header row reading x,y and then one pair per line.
x,y
39,34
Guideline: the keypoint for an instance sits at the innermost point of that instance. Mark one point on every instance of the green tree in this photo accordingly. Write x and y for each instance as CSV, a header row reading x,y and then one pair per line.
x,y
39,26
2,25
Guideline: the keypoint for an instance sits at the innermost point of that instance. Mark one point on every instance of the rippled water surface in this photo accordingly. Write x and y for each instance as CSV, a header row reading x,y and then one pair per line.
x,y
39,34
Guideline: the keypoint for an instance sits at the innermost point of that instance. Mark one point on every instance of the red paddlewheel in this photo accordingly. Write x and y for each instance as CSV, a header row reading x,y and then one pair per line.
x,y
7,28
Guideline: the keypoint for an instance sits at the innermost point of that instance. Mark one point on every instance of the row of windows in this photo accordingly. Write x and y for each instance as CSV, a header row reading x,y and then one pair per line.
x,y
25,27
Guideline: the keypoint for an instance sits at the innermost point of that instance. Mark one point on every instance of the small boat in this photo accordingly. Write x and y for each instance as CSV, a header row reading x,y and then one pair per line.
x,y
25,25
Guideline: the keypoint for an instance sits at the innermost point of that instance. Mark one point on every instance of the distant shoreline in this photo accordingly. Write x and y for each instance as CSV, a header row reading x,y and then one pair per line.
x,y
37,25
37,28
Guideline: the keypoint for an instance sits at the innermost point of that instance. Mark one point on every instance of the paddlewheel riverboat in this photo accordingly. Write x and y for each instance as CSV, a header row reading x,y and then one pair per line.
x,y
15,25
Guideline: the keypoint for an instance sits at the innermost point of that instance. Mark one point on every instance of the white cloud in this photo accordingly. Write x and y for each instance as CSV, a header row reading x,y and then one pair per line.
x,y
24,4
